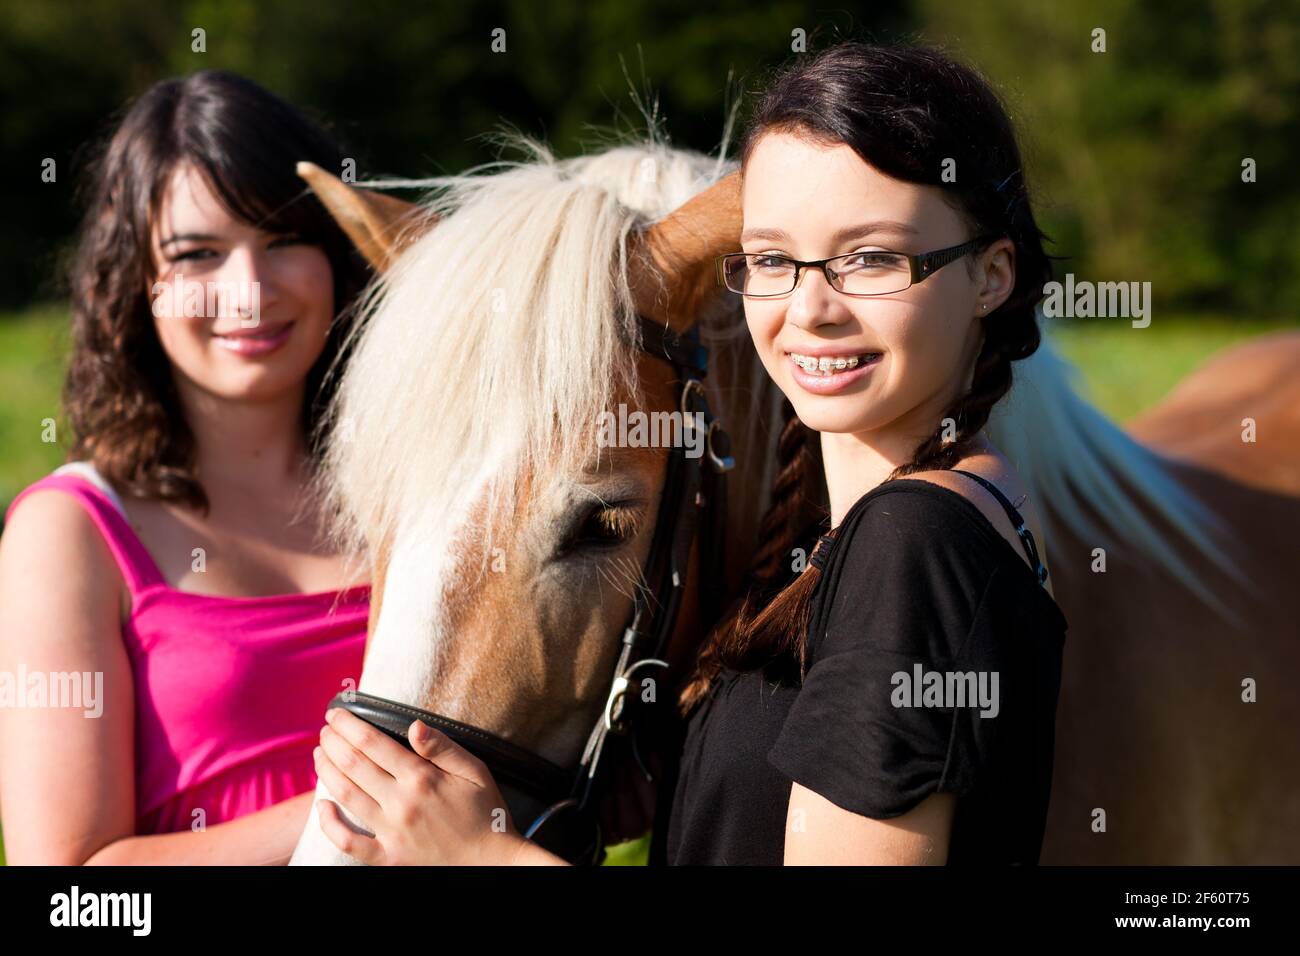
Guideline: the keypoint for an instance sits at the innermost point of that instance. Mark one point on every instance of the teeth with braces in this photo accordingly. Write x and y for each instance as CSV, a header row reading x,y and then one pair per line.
x,y
825,365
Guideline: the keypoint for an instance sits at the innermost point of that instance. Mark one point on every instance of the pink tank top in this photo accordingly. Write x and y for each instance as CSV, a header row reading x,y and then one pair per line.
x,y
230,692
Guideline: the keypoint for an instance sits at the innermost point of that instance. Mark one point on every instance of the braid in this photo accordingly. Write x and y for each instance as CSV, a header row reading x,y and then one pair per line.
x,y
788,514
784,525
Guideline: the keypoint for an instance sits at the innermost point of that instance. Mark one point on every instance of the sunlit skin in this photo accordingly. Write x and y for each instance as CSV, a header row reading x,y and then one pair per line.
x,y
196,237
804,200
436,806
798,195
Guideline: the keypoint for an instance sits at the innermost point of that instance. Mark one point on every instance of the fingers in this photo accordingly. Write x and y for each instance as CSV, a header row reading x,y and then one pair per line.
x,y
343,789
443,752
356,767
337,831
383,751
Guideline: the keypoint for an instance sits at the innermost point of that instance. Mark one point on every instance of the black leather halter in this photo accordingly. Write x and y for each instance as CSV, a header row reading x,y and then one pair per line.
x,y
563,803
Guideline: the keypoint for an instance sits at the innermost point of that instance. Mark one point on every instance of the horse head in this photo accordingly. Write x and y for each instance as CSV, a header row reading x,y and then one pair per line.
x,y
524,553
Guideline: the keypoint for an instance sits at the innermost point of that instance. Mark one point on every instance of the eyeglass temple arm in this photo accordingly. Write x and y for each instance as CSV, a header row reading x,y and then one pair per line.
x,y
932,262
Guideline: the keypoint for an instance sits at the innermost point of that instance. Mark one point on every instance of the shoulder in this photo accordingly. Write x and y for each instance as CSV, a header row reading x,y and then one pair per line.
x,y
910,520
909,570
51,540
47,505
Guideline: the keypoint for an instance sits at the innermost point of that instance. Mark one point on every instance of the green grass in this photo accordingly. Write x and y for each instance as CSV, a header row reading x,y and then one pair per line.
x,y
33,350
33,347
632,853
1125,371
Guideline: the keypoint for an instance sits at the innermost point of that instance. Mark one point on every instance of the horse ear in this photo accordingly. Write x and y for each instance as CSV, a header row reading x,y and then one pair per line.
x,y
682,248
378,224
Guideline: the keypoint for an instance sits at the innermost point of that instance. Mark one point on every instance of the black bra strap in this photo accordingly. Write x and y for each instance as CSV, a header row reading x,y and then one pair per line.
x,y
1026,536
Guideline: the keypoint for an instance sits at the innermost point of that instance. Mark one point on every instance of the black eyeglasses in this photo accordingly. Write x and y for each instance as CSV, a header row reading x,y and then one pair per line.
x,y
873,272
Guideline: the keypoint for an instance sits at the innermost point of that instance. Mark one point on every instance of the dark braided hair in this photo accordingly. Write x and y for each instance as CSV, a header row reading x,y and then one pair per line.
x,y
904,110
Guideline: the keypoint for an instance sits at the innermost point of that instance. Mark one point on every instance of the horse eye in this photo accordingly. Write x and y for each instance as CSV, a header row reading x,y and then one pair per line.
x,y
602,527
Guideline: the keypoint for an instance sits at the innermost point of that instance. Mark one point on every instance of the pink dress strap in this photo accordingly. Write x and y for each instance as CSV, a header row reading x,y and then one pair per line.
x,y
133,559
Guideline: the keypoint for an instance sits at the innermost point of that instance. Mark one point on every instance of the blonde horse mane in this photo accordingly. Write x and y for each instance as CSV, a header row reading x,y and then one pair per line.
x,y
485,353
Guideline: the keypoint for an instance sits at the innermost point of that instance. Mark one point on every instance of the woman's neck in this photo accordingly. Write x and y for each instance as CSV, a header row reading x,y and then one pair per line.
x,y
857,462
254,444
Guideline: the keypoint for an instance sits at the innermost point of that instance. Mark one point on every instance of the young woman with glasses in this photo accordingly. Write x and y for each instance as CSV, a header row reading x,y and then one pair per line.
x,y
895,702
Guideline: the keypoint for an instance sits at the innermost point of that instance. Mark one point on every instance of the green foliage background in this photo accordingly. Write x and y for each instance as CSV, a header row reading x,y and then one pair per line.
x,y
1135,153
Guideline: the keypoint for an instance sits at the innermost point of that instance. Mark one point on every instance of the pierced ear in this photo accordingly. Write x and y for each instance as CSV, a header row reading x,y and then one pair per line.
x,y
379,225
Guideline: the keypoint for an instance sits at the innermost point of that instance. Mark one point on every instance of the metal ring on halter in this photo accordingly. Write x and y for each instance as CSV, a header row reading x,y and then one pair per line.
x,y
720,463
691,386
620,686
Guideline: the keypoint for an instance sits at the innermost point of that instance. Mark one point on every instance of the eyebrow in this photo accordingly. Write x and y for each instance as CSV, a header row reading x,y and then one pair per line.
x,y
842,235
187,237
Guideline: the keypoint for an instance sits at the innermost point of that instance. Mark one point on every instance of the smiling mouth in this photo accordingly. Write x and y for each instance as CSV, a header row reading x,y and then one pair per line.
x,y
828,365
255,342
264,331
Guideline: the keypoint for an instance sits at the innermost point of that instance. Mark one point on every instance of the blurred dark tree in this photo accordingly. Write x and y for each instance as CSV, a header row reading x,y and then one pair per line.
x,y
1135,153
410,88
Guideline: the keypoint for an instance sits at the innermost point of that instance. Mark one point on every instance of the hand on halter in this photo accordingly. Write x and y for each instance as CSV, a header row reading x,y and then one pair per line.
x,y
437,806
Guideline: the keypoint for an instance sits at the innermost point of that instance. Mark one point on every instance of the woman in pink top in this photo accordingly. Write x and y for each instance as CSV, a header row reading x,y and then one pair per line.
x,y
172,586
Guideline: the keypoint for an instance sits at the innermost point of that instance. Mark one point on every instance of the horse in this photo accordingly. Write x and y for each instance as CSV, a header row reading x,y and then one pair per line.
x,y
462,465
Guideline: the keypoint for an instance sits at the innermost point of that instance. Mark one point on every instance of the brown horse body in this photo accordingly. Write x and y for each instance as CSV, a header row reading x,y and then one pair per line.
x,y
1152,725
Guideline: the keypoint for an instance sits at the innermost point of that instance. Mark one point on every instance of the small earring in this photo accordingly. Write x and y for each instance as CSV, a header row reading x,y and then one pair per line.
x,y
983,307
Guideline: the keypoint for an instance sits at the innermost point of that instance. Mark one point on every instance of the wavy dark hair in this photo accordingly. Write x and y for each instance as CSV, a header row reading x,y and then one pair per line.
x,y
904,110
119,395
